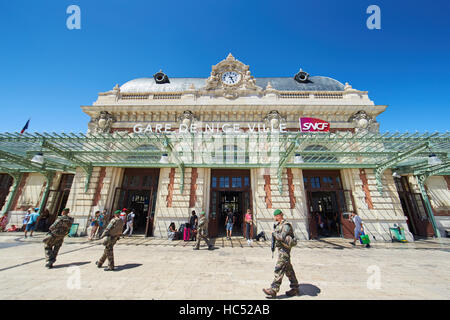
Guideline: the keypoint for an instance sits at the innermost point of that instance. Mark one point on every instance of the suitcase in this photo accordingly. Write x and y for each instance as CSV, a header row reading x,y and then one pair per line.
x,y
186,234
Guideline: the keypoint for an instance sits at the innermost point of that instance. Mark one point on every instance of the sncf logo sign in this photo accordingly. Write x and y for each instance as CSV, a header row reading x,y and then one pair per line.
x,y
314,125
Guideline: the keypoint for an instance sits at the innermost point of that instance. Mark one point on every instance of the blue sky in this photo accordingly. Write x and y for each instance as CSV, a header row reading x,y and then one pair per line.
x,y
48,72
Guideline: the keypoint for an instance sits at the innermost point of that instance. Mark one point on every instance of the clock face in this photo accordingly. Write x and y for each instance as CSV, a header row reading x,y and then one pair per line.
x,y
231,77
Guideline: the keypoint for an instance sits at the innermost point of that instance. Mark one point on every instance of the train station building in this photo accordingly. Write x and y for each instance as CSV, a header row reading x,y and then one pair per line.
x,y
164,146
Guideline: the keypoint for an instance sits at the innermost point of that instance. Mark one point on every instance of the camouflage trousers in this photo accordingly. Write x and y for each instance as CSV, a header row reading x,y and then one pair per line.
x,y
52,246
283,267
108,253
201,236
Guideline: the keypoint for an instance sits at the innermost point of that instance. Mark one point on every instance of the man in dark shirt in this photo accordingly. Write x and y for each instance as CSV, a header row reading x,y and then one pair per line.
x,y
229,222
193,222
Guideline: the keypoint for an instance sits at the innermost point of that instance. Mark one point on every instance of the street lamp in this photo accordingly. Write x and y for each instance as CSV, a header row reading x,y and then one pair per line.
x,y
38,158
298,158
164,158
433,160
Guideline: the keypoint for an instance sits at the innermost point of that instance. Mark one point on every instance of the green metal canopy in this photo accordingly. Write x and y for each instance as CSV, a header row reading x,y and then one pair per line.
x,y
405,152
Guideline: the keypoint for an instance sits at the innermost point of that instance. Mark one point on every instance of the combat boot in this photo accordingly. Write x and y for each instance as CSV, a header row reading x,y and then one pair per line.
x,y
196,248
270,292
98,264
49,265
110,269
293,292
210,247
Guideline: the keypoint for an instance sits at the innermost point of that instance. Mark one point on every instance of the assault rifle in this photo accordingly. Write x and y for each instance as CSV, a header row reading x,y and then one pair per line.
x,y
272,245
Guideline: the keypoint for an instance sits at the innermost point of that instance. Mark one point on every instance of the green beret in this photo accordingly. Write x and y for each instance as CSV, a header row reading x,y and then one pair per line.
x,y
117,212
277,212
66,209
202,213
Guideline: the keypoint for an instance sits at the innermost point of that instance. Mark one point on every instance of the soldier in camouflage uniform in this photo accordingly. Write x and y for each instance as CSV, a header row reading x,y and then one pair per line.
x,y
112,233
285,240
55,237
201,232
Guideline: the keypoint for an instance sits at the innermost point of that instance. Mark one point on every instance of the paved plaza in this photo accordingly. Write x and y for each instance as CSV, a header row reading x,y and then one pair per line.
x,y
150,268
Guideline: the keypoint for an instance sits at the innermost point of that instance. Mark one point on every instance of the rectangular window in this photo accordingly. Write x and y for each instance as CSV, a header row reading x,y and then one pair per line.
x,y
224,182
246,182
148,181
315,182
214,182
134,181
236,182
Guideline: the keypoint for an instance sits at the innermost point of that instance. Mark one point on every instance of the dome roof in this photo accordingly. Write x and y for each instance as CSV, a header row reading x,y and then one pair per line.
x,y
315,83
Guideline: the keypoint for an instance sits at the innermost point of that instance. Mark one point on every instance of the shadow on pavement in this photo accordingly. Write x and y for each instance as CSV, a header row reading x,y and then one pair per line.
x,y
127,266
77,264
307,289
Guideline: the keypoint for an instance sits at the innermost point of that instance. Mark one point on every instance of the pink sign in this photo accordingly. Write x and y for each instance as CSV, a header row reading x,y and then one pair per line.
x,y
314,125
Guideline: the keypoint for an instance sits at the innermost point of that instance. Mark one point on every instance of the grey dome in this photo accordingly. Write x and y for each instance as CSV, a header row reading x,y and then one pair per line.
x,y
315,83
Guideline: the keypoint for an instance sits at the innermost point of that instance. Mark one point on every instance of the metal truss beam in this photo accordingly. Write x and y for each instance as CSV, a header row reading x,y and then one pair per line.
x,y
87,167
400,157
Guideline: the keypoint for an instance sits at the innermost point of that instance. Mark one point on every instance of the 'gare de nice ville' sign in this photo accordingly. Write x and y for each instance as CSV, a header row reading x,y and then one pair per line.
x,y
208,128
306,125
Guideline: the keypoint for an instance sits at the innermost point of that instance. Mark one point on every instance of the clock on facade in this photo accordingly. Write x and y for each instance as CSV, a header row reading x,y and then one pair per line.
x,y
231,77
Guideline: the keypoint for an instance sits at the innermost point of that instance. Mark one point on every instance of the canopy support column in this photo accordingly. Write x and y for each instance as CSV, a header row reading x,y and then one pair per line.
x,y
287,155
49,179
421,182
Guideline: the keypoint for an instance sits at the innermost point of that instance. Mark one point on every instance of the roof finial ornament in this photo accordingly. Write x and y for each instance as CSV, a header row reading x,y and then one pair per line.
x,y
347,86
230,57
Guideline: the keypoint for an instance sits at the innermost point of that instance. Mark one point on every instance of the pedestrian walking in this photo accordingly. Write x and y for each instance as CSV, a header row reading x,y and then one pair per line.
x,y
101,224
43,219
130,221
201,232
32,222
111,234
249,225
26,218
55,237
193,223
284,241
359,228
229,222
94,225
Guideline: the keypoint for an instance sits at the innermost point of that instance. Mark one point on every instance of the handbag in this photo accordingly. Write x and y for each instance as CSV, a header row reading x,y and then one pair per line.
x,y
364,238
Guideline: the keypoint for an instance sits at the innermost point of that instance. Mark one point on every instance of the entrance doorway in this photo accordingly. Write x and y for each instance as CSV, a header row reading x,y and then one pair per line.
x,y
57,199
329,205
230,189
414,209
326,211
138,193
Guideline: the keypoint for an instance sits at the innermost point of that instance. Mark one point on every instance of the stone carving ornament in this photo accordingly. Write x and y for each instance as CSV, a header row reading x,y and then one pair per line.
x,y
274,119
364,122
101,124
187,118
231,79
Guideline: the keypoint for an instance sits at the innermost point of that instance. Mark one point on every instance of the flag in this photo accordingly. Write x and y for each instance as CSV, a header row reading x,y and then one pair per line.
x,y
25,127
